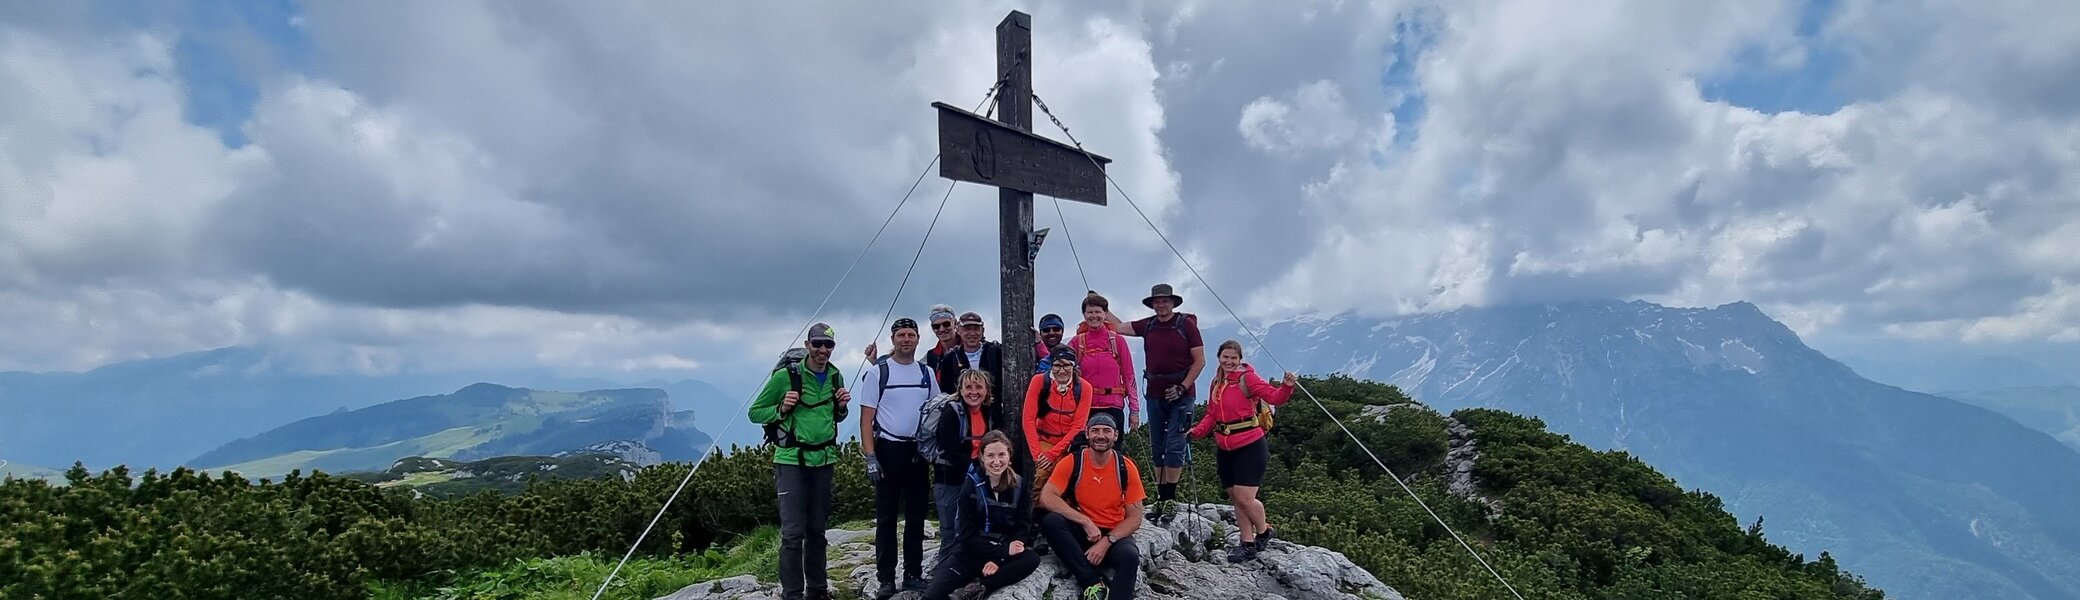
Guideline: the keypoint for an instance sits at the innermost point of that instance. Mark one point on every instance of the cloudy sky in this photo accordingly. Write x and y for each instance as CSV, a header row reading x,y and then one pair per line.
x,y
672,188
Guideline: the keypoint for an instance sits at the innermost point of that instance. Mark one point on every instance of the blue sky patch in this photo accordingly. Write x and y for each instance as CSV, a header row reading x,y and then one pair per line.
x,y
1756,80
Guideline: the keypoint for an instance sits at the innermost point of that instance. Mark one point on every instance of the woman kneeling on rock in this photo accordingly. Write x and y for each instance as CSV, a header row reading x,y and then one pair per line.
x,y
1237,413
994,530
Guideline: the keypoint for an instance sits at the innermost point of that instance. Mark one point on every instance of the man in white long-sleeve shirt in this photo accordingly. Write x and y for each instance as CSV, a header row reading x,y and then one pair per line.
x,y
892,395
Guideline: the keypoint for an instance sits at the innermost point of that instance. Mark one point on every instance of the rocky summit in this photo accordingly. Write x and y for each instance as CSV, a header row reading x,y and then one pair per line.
x,y
1185,558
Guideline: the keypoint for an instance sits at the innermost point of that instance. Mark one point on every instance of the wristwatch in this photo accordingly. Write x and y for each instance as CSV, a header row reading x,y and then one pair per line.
x,y
1109,539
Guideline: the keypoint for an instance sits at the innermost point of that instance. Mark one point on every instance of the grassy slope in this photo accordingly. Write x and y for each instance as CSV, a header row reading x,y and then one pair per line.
x,y
577,577
438,445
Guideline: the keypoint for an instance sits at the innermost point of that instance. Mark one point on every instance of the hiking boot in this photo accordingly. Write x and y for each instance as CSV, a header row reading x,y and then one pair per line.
x,y
972,591
1097,591
1161,513
916,584
1242,553
885,590
823,594
1264,540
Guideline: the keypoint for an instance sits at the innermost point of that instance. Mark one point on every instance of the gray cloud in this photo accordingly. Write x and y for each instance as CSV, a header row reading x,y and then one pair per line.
x,y
637,187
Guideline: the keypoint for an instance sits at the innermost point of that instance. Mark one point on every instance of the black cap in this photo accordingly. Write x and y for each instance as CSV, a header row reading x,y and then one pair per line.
x,y
821,332
902,324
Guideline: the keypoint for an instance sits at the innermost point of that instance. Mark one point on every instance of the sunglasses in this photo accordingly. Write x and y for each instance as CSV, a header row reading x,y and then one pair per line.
x,y
824,344
1050,330
941,326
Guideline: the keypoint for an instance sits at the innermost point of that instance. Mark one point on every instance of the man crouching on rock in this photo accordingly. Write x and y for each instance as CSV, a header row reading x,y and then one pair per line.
x,y
1093,507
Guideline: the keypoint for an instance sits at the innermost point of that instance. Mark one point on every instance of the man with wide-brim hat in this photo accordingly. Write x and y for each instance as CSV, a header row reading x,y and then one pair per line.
x,y
1174,356
1162,290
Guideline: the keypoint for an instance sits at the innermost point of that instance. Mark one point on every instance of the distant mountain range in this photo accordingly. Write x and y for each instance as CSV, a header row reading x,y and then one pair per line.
x,y
22,471
1927,496
477,422
2052,410
1939,373
160,412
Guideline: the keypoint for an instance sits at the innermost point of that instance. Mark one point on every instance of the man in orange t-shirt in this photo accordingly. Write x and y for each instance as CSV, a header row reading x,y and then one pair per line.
x,y
1093,503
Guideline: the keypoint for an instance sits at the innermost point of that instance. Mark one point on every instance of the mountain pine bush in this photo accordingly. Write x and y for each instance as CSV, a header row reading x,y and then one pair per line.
x,y
1573,522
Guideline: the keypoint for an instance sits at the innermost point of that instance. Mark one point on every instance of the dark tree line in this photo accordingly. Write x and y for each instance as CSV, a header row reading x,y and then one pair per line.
x,y
1575,523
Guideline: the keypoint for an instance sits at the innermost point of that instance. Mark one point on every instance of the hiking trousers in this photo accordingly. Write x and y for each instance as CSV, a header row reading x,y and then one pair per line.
x,y
805,513
948,498
1169,421
1066,539
965,567
903,492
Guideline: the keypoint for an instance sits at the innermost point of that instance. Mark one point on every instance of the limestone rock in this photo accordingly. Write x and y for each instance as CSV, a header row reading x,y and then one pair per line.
x,y
1185,558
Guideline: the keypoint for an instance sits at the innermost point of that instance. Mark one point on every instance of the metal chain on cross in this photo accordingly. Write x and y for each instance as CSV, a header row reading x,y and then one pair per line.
x,y
1274,357
1058,202
1002,78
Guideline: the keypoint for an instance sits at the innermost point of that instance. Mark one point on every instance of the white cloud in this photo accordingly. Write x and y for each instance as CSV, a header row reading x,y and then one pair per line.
x,y
100,173
469,184
1577,143
1312,117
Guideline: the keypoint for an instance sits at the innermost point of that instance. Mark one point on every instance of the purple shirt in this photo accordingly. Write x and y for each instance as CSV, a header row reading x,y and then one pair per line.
x,y
1167,348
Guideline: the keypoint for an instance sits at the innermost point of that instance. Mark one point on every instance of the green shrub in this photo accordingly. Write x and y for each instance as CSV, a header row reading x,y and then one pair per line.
x,y
1573,523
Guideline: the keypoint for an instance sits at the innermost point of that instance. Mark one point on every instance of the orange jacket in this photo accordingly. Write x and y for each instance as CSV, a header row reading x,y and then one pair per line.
x,y
1049,436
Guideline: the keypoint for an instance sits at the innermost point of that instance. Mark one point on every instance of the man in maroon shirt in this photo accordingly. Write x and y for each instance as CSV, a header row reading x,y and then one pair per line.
x,y
1174,356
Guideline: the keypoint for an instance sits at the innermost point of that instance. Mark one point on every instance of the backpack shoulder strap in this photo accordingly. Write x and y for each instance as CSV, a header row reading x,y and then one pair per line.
x,y
882,386
1119,460
1075,477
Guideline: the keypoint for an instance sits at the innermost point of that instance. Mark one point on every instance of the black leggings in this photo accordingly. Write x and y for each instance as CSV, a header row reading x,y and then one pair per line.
x,y
962,567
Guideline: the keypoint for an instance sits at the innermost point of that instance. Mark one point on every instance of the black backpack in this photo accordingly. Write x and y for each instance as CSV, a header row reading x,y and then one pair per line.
x,y
783,436
1076,438
924,382
1047,407
1076,476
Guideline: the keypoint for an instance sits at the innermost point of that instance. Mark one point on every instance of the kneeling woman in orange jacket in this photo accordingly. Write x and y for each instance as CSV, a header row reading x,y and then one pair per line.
x,y
1058,403
1237,424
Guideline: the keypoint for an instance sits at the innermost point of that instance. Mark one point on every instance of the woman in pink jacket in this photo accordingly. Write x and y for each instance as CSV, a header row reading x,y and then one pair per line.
x,y
1241,452
1107,364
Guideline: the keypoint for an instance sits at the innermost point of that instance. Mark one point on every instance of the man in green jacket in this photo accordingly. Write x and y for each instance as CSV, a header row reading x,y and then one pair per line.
x,y
804,403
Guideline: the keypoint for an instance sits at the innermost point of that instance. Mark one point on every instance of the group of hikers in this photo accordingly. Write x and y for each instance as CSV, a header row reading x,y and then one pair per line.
x,y
933,422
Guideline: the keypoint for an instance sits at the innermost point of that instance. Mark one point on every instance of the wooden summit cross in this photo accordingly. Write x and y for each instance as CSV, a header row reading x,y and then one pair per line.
x,y
1007,155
